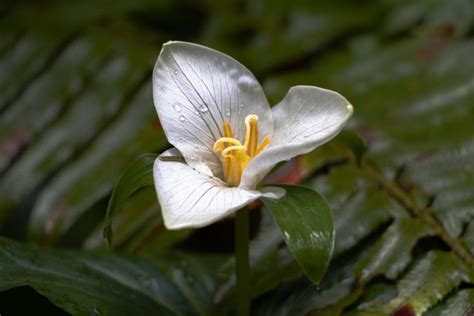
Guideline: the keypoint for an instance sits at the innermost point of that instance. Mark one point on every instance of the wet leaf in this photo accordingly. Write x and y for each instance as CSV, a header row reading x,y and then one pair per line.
x,y
110,284
307,227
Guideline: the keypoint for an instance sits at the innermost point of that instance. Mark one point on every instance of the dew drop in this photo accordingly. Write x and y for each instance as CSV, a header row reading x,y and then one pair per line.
x,y
203,108
247,82
182,118
227,112
233,72
177,107
175,72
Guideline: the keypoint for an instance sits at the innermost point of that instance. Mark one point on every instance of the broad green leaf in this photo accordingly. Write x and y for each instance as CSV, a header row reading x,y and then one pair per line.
x,y
138,175
307,226
110,284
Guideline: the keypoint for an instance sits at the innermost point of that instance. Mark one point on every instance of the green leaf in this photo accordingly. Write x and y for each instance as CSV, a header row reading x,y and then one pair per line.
x,y
109,284
307,226
138,175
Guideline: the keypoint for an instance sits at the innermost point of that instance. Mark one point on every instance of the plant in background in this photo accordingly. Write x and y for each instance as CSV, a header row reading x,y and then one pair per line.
x,y
226,139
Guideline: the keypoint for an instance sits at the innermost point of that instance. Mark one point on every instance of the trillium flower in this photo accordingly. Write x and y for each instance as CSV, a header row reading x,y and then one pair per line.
x,y
226,137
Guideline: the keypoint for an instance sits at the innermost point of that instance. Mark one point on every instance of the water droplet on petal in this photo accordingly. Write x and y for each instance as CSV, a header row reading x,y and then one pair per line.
x,y
241,105
182,118
247,82
227,112
233,72
203,108
177,107
175,72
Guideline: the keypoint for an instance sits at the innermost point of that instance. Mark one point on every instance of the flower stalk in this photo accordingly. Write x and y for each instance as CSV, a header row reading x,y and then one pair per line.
x,y
242,266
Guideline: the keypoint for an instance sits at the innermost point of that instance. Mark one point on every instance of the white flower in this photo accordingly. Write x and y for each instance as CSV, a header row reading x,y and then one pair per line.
x,y
226,136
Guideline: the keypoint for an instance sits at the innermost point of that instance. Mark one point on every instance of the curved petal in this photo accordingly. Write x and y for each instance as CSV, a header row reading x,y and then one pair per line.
x,y
306,118
189,198
195,90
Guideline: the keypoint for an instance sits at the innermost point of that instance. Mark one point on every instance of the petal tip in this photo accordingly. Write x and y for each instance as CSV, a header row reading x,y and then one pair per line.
x,y
350,108
171,225
168,43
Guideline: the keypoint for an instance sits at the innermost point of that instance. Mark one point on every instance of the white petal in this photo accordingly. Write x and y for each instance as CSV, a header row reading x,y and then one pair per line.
x,y
189,198
306,118
196,89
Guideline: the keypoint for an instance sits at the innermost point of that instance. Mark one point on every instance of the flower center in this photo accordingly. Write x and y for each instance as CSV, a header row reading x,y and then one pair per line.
x,y
235,156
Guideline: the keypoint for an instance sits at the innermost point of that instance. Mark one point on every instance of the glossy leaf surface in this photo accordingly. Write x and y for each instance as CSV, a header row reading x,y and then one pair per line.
x,y
306,224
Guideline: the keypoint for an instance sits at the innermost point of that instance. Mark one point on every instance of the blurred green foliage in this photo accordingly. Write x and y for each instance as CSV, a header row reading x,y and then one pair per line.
x,y
76,111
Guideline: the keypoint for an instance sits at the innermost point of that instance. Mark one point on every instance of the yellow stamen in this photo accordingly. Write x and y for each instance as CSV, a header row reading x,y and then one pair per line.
x,y
251,135
226,152
228,130
234,156
233,177
224,141
264,144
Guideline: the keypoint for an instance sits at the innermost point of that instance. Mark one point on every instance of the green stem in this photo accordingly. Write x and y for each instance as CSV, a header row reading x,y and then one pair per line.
x,y
242,267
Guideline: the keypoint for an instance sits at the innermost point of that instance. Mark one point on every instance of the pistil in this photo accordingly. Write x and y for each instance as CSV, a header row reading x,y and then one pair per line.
x,y
234,156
